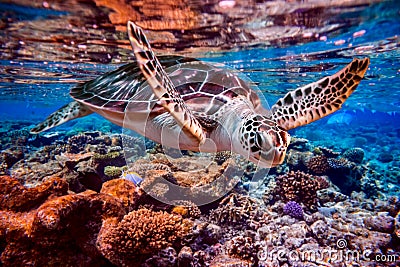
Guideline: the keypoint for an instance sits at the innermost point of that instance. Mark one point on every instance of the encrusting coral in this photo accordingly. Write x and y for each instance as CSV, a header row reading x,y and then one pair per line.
x,y
59,229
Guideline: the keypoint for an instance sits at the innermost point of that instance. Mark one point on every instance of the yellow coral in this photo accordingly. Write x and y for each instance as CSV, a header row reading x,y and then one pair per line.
x,y
180,210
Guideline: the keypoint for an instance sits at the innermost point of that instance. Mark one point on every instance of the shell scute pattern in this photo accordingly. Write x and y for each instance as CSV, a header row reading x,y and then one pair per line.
x,y
116,90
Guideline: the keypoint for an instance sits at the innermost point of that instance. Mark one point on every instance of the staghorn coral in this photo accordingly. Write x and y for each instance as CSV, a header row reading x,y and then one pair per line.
x,y
355,155
318,165
139,233
297,186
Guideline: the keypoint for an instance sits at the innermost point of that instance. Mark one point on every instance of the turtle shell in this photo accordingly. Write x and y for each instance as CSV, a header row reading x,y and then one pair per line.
x,y
203,87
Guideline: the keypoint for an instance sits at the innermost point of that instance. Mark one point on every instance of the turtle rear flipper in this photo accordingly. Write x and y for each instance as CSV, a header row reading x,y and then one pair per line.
x,y
319,99
68,112
162,85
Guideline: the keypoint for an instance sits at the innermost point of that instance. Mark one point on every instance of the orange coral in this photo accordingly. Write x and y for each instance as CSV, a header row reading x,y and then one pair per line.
x,y
123,190
139,233
14,196
45,226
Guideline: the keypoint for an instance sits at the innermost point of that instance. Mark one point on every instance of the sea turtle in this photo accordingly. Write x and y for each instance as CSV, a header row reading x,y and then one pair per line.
x,y
188,104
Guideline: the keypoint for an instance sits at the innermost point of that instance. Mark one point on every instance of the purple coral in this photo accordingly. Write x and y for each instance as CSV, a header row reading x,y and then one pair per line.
x,y
293,209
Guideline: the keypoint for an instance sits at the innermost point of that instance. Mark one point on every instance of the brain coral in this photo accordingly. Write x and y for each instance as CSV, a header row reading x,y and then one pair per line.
x,y
141,232
297,186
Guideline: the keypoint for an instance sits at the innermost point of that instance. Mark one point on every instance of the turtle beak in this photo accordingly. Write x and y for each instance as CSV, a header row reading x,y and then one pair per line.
x,y
276,153
270,160
279,157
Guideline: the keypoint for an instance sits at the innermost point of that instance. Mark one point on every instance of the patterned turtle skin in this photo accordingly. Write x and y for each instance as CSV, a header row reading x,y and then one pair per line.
x,y
188,104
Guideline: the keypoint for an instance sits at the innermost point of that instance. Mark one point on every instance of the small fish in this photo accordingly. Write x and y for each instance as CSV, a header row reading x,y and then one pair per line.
x,y
134,177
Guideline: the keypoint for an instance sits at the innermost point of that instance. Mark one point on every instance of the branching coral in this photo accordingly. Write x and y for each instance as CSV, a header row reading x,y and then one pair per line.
x,y
186,209
243,247
139,233
234,209
318,165
297,186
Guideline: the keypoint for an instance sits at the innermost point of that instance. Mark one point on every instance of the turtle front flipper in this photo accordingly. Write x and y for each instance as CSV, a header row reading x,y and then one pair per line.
x,y
68,112
319,99
162,85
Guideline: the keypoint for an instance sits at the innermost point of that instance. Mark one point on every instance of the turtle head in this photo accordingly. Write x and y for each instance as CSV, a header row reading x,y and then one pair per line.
x,y
263,141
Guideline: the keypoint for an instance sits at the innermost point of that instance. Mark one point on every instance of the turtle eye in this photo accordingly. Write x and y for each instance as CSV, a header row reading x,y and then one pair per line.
x,y
259,140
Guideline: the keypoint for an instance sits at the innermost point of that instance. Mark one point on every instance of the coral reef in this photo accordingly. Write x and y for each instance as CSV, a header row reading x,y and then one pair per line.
x,y
186,209
15,197
244,247
124,191
47,225
48,217
58,229
114,172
